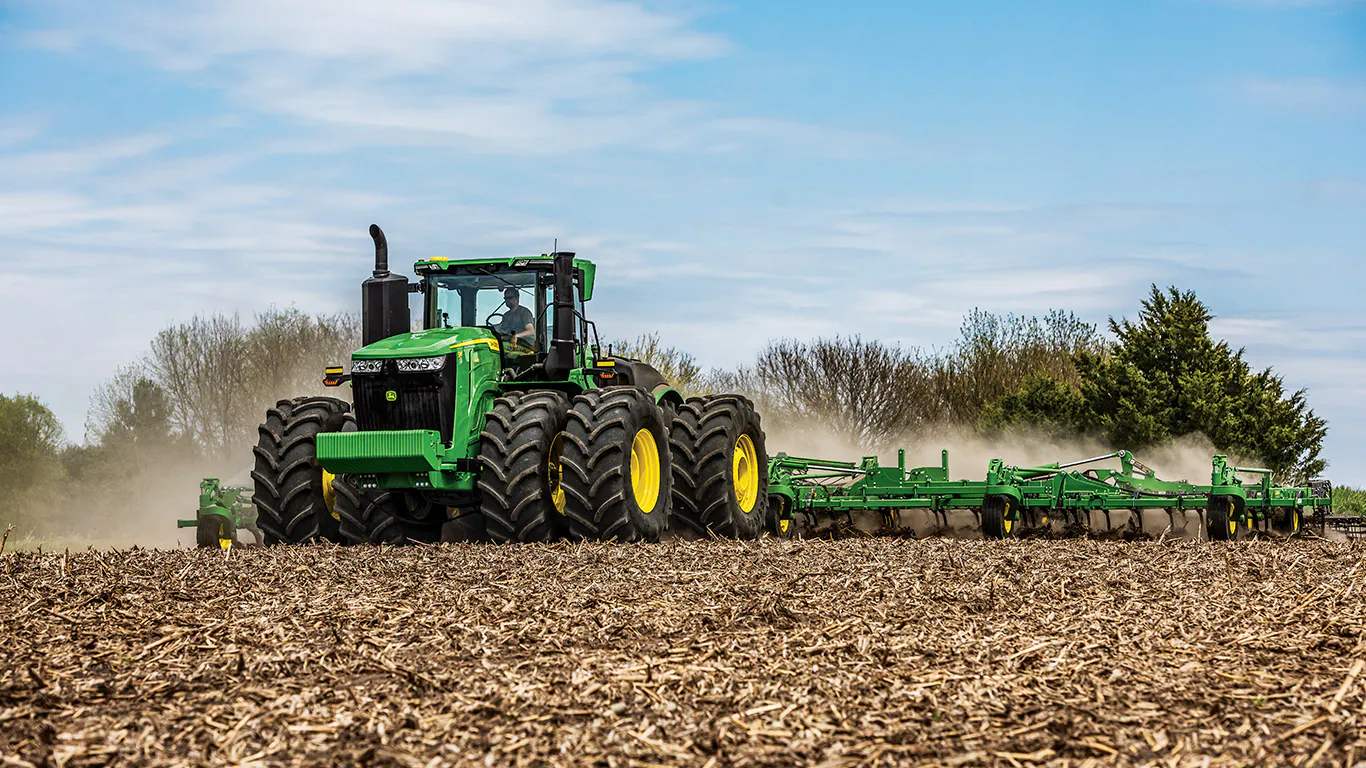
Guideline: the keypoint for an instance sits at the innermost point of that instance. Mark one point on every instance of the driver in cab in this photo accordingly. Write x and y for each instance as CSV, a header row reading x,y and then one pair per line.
x,y
517,322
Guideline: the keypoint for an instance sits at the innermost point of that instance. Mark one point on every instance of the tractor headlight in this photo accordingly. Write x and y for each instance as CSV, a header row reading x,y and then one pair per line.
x,y
421,364
366,366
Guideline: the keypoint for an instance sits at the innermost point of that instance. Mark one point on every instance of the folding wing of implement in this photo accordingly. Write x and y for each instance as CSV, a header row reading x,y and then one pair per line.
x,y
818,496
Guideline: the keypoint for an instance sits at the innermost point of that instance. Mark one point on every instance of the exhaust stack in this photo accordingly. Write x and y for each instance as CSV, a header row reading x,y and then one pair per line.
x,y
561,358
383,297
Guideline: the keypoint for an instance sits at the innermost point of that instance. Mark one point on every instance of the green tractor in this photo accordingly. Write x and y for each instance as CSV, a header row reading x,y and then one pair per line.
x,y
502,420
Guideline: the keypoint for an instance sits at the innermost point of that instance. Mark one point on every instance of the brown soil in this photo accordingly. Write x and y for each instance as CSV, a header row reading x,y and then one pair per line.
x,y
855,652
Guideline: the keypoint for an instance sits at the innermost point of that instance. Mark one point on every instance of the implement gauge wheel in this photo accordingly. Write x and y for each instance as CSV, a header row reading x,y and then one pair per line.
x,y
780,523
999,518
1290,523
520,483
1221,524
293,493
615,460
720,468
215,531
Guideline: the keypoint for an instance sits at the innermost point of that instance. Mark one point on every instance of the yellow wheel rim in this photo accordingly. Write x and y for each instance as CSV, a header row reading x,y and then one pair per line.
x,y
645,470
783,525
1232,527
554,471
1006,522
1294,521
329,495
745,472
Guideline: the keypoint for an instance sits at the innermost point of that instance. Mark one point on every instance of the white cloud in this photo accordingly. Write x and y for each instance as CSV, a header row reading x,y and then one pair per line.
x,y
514,76
49,164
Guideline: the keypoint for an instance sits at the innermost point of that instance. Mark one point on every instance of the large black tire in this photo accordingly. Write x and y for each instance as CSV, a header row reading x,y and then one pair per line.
x,y
520,473
708,500
1220,523
212,530
387,516
616,466
291,494
997,522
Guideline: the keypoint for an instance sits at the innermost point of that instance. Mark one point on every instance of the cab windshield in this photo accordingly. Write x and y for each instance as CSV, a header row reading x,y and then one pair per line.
x,y
509,302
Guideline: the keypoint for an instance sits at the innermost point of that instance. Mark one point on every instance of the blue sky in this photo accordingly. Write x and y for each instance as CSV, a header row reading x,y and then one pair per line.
x,y
741,171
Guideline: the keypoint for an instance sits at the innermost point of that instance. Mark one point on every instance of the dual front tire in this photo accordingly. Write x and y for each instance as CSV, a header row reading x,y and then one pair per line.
x,y
292,492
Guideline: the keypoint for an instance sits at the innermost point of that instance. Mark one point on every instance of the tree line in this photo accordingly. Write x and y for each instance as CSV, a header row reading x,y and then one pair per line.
x,y
191,403
1158,377
189,406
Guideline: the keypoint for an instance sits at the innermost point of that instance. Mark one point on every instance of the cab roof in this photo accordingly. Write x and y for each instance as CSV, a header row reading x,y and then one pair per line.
x,y
438,264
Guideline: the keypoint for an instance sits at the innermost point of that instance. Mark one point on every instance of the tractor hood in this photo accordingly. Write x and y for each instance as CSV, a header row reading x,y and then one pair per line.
x,y
430,343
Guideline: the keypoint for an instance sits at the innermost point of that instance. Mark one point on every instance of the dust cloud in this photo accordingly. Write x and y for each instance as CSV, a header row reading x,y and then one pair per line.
x,y
1186,458
135,509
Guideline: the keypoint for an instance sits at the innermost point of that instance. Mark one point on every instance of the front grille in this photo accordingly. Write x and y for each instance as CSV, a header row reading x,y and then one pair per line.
x,y
421,400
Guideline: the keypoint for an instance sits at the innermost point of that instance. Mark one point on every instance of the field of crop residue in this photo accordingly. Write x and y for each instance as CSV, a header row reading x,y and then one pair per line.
x,y
863,652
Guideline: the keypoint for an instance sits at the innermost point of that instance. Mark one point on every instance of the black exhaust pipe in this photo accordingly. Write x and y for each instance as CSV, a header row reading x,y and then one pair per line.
x,y
381,251
561,358
383,298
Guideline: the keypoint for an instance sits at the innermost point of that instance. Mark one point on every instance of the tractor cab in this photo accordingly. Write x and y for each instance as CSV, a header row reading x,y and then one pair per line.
x,y
514,299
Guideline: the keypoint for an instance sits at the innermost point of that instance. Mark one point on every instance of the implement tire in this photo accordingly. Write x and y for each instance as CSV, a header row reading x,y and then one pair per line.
x,y
781,523
212,530
996,520
616,466
1289,522
720,467
520,492
387,516
292,493
1221,525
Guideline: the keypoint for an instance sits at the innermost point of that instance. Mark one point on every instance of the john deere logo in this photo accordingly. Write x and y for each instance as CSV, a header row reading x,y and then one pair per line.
x,y
391,396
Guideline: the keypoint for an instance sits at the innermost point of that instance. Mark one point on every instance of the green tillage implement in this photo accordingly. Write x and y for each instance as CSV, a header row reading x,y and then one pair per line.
x,y
223,511
816,495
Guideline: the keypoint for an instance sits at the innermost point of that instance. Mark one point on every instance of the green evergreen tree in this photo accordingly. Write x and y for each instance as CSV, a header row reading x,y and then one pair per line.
x,y
1164,378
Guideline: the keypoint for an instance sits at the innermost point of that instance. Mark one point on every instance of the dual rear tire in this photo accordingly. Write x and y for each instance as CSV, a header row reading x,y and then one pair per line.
x,y
720,471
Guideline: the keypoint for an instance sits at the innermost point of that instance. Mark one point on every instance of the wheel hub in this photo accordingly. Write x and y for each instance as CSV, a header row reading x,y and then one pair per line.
x,y
745,472
645,475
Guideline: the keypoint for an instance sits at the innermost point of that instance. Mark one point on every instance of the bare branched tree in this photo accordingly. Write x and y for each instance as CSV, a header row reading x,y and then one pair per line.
x,y
218,376
677,366
865,392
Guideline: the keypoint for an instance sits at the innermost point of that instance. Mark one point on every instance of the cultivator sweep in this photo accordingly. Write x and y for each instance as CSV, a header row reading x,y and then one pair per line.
x,y
823,497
